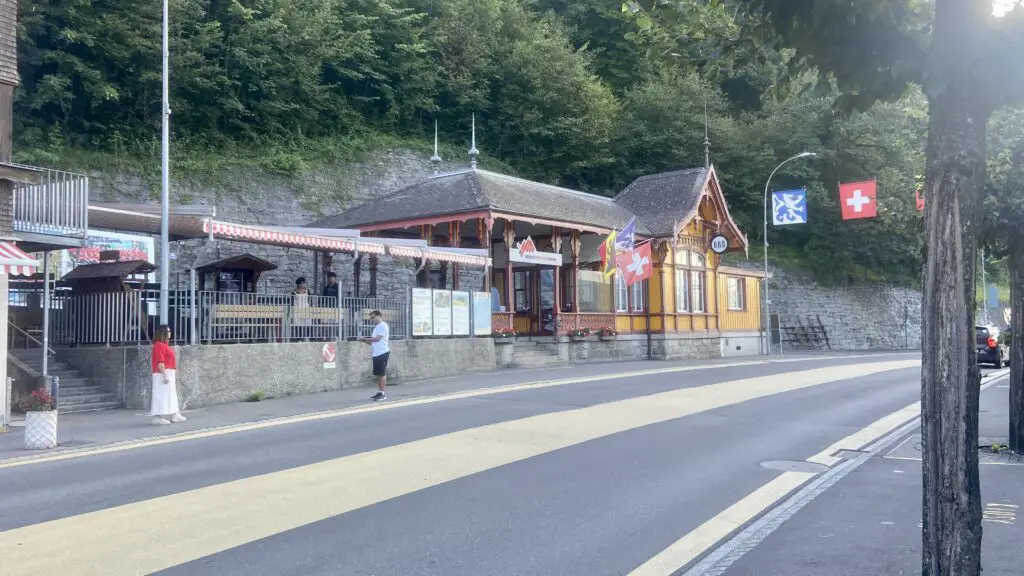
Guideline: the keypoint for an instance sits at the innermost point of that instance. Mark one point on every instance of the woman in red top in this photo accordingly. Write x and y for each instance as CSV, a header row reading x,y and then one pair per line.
x,y
165,391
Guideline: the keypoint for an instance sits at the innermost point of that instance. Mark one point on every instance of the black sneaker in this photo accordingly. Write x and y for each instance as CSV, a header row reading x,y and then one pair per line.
x,y
378,396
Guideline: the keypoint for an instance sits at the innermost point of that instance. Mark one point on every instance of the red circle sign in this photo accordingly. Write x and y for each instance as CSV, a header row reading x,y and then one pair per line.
x,y
329,352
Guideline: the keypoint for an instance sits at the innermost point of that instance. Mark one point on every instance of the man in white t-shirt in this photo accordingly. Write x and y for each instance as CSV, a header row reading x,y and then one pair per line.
x,y
380,350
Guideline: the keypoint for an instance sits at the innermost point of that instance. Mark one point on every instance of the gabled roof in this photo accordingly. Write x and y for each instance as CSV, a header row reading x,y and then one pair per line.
x,y
242,261
475,190
109,270
662,200
659,200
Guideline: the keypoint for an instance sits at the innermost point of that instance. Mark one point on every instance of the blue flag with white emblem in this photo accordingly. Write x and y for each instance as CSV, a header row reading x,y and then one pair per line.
x,y
789,207
626,238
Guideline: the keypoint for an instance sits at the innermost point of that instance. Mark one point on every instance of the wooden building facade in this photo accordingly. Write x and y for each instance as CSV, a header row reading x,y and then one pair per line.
x,y
544,240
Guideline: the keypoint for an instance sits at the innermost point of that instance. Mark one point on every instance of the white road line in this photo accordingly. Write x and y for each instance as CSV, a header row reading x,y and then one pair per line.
x,y
704,537
391,405
153,535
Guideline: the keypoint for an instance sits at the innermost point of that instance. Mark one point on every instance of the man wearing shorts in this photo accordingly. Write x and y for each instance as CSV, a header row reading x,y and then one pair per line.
x,y
380,350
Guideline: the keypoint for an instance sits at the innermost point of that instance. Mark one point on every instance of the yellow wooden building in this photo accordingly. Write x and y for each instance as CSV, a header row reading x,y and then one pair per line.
x,y
545,267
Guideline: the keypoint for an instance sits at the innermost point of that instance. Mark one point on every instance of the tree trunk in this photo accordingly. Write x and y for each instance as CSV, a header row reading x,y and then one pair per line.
x,y
950,377
1017,346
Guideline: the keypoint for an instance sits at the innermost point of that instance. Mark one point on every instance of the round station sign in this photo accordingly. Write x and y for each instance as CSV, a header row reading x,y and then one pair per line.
x,y
719,244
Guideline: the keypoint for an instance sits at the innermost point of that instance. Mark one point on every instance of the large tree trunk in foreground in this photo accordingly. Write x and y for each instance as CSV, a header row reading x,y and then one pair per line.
x,y
950,378
1017,346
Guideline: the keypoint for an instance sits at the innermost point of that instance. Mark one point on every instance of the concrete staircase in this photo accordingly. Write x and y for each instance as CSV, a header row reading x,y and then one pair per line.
x,y
535,354
77,392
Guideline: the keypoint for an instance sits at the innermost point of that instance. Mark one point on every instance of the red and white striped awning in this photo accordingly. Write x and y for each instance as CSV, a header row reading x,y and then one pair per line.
x,y
15,262
437,255
266,235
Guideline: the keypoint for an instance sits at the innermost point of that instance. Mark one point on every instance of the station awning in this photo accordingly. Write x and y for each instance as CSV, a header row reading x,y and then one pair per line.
x,y
194,222
15,262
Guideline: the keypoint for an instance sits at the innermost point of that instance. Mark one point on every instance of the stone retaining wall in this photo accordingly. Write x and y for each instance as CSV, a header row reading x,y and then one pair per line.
x,y
221,374
862,316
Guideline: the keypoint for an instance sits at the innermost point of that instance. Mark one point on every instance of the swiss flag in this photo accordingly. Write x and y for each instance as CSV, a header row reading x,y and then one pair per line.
x,y
858,199
635,265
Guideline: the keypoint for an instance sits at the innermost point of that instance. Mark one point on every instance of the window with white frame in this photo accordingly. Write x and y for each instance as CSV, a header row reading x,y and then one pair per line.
x,y
638,295
628,298
621,294
698,291
737,292
691,282
682,290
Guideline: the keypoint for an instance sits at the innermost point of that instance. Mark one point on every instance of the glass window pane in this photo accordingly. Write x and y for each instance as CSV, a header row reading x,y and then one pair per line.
x,y
697,290
682,291
621,295
595,292
638,296
696,259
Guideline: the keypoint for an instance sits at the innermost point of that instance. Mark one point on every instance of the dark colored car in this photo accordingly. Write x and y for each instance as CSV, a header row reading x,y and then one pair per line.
x,y
991,350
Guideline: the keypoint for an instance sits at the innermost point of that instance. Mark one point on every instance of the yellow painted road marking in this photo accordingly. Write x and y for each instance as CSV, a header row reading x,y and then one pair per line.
x,y
309,417
157,534
702,538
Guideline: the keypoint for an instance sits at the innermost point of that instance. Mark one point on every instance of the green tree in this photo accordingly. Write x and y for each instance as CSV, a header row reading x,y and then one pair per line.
x,y
1004,211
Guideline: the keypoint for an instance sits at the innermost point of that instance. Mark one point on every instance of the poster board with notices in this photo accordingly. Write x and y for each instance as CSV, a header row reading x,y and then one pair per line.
x,y
442,300
422,312
481,313
460,313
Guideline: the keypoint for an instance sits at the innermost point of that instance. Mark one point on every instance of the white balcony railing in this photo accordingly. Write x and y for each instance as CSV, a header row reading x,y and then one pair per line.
x,y
58,205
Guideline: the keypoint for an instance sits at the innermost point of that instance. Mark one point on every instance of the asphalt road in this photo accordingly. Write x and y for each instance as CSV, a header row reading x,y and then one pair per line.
x,y
587,479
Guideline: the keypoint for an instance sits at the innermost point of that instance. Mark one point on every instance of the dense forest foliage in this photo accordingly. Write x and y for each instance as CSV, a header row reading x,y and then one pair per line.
x,y
564,92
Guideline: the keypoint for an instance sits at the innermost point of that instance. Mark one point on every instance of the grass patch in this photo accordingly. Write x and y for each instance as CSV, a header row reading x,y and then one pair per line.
x,y
257,396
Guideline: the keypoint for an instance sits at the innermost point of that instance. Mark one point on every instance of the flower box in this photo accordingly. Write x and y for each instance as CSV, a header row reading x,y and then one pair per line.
x,y
579,334
607,333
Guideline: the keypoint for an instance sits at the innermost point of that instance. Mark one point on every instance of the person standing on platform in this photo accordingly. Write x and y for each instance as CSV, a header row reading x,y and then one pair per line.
x,y
380,350
165,408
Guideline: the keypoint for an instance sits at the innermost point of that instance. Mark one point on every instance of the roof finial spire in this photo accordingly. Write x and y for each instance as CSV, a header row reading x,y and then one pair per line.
x,y
435,160
707,140
473,152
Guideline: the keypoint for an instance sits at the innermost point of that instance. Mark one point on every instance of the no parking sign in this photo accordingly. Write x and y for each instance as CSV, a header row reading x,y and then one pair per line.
x,y
329,353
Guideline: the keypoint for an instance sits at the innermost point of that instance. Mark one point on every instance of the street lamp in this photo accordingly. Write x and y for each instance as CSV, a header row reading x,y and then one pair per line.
x,y
767,317
165,192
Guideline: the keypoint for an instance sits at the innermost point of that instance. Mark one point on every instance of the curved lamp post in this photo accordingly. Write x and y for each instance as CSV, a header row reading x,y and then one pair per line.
x,y
767,317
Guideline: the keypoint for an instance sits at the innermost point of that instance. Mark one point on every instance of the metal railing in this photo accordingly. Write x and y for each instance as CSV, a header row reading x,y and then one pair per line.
x,y
58,205
128,318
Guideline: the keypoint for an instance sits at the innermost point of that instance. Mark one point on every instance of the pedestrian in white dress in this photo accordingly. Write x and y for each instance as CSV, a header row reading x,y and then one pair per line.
x,y
165,390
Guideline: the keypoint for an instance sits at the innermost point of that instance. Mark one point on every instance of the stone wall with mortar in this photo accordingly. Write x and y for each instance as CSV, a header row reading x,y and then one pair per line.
x,y
209,375
631,347
861,316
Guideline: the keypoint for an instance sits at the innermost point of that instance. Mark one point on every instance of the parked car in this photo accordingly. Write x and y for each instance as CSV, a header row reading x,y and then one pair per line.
x,y
991,349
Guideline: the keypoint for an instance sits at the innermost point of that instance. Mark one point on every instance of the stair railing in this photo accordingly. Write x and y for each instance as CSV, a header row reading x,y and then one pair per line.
x,y
28,337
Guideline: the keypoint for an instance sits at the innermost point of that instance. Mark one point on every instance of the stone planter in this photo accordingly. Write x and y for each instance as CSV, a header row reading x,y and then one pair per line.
x,y
578,338
503,351
606,337
40,429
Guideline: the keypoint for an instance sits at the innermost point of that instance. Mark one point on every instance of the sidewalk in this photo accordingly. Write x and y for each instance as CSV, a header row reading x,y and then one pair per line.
x,y
869,523
113,426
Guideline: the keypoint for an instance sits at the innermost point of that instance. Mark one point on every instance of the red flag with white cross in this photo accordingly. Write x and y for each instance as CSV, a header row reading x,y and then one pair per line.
x,y
635,265
859,199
